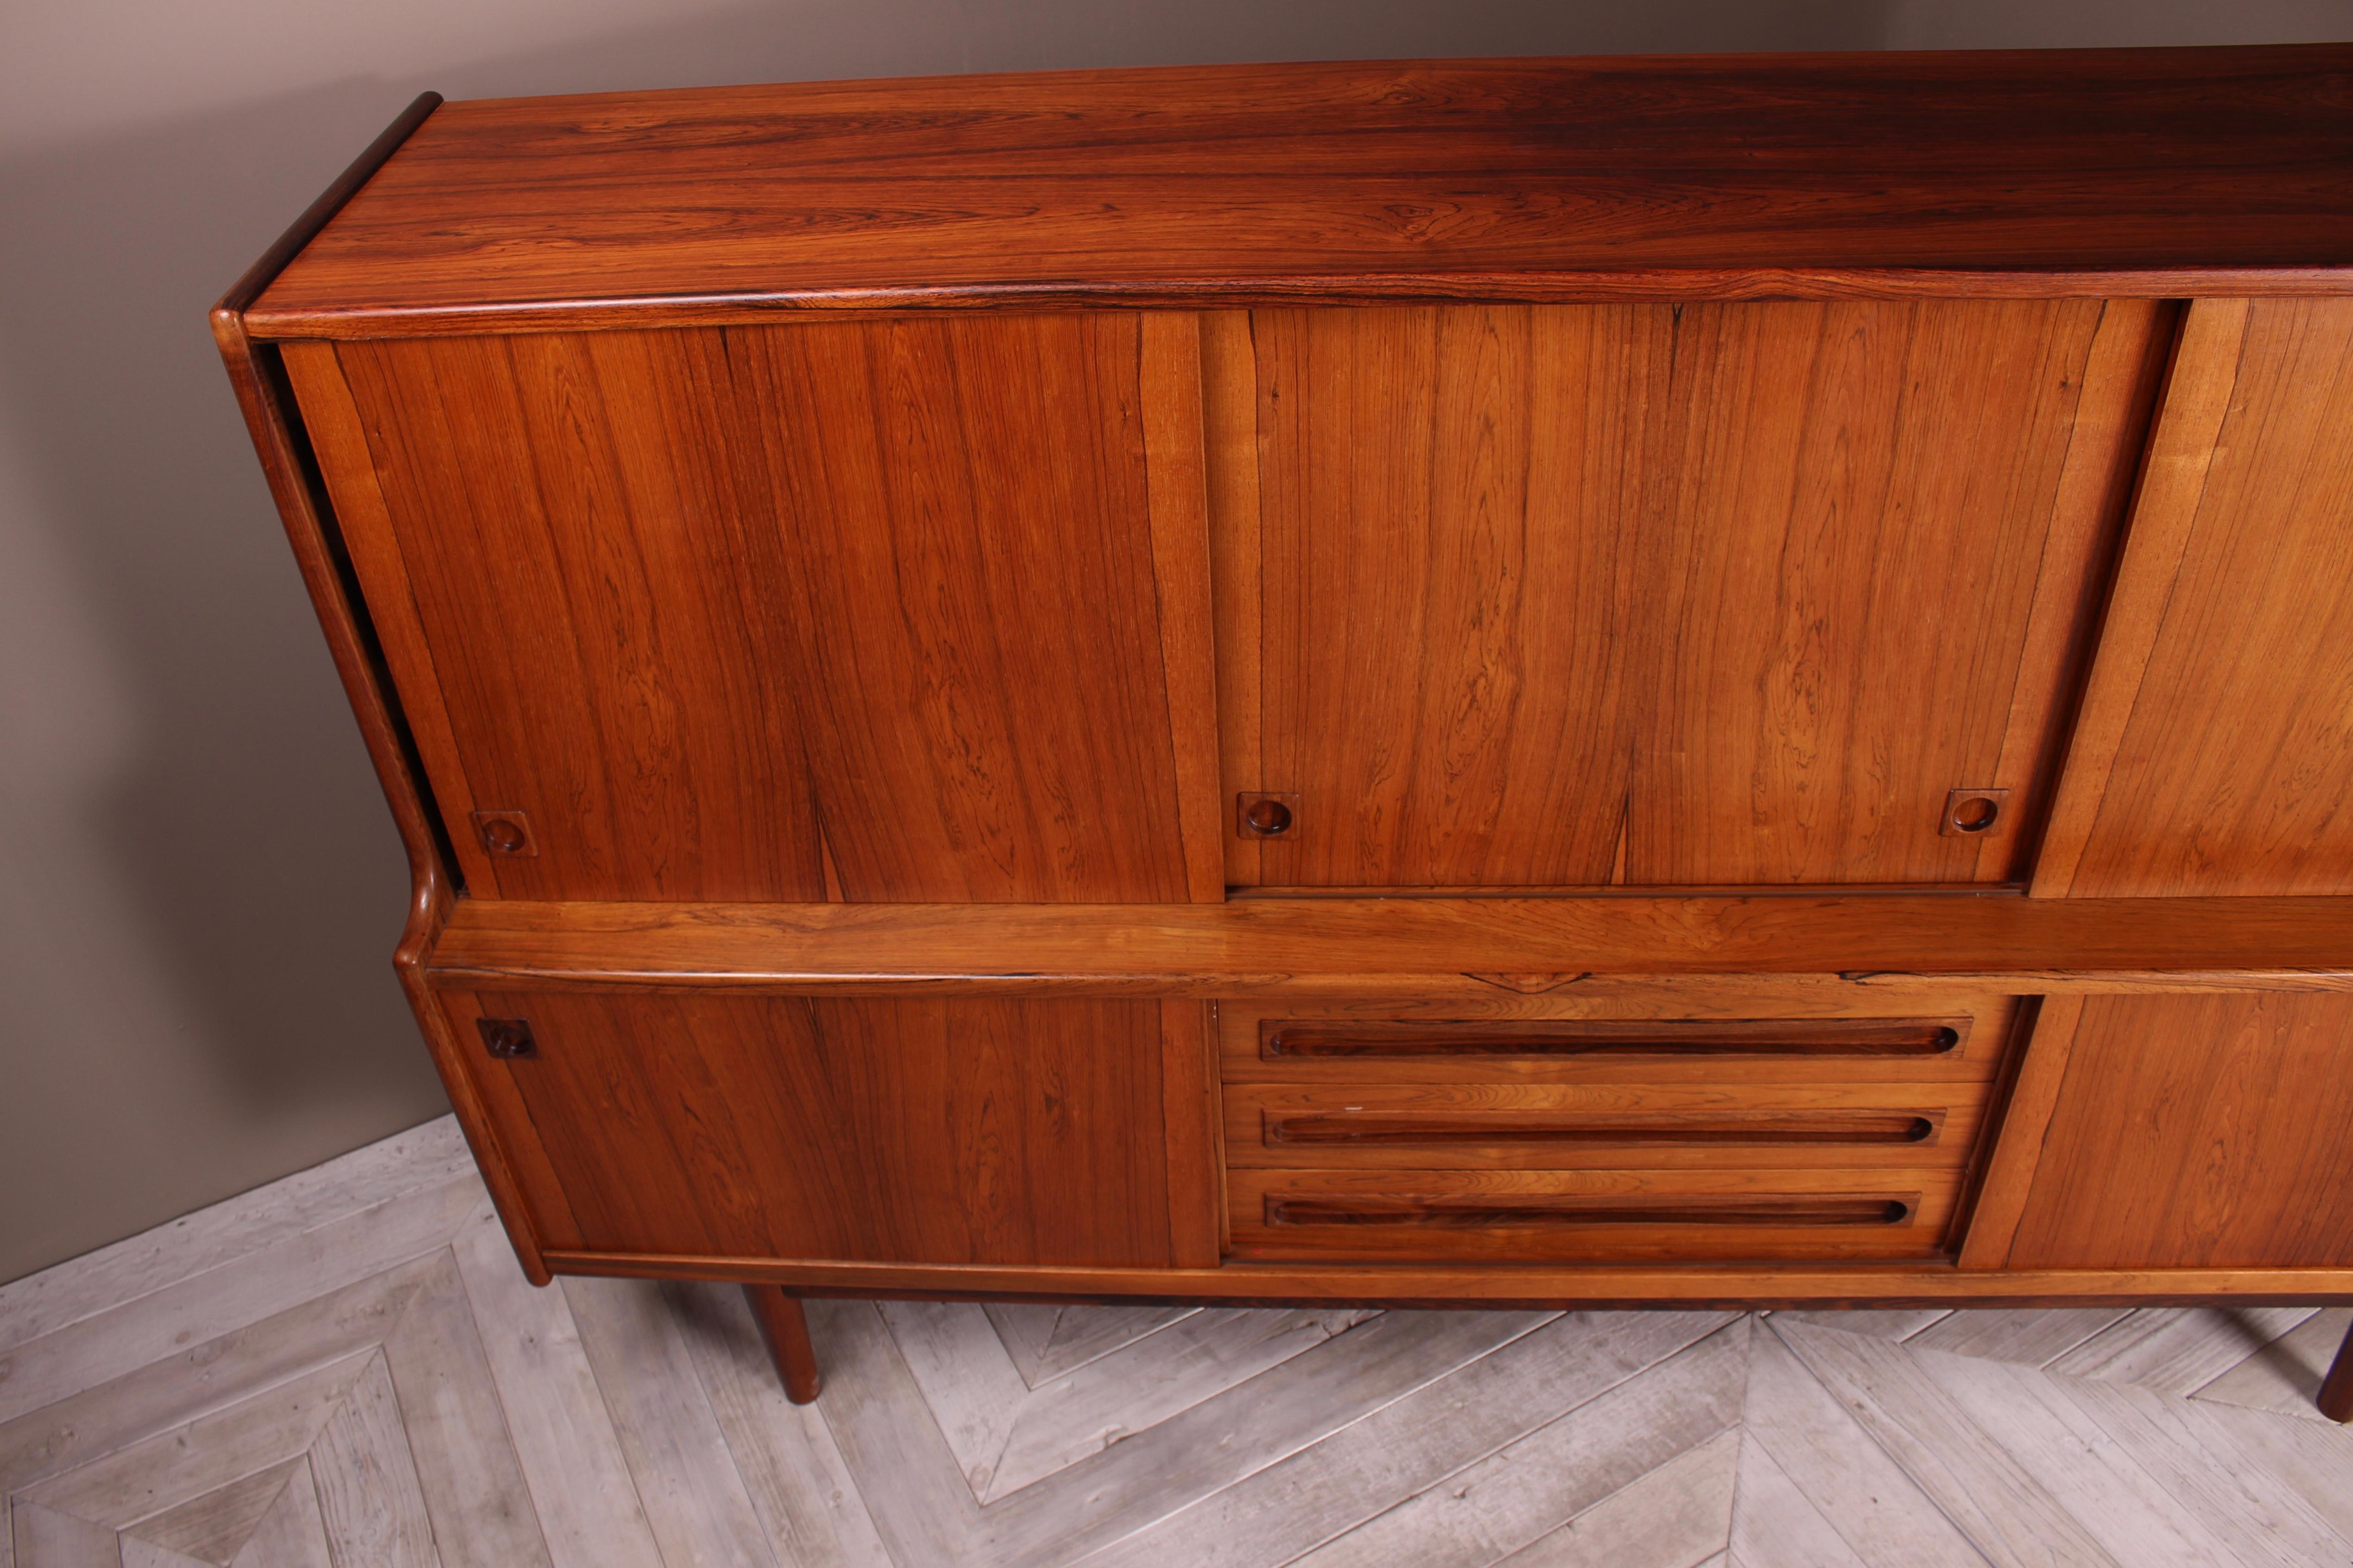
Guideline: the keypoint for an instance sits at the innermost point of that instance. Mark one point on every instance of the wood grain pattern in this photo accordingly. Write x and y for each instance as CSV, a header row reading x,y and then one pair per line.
x,y
2178,1349
1832,1040
1812,1439
1738,954
1757,1286
698,1508
2020,1133
1618,1215
2200,377
1355,1436
1524,1042
952,1132
338,439
1230,456
1170,387
971,548
2108,454
751,545
1429,179
1523,1126
1454,1448
560,506
1981,1486
1646,1473
1537,578
2212,1130
1449,592
919,614
556,1417
1869,528
258,376
2229,776
1190,1115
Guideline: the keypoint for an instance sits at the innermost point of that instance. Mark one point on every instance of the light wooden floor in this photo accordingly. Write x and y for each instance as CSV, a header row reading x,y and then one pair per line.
x,y
347,1369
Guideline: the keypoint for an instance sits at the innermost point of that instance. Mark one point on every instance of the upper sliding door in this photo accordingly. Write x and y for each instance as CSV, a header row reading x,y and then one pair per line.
x,y
2216,752
1707,594
881,610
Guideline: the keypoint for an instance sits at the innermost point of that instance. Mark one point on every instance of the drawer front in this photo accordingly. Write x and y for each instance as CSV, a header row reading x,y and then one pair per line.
x,y
1608,1216
1566,1127
1541,1130
1540,1041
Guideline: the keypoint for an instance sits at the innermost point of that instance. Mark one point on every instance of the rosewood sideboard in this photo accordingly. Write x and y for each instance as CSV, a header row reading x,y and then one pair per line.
x,y
1604,681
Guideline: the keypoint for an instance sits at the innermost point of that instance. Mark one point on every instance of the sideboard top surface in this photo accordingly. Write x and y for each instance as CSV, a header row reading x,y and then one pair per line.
x,y
2054,172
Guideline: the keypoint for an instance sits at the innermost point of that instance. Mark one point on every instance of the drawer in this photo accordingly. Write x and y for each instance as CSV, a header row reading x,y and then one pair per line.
x,y
1541,1126
1428,1043
1609,1215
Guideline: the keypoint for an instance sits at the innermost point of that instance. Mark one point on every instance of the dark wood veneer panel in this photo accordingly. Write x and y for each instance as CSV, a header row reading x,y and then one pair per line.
x,y
933,1131
2206,1131
1430,179
694,597
1450,504
967,557
2233,772
1707,595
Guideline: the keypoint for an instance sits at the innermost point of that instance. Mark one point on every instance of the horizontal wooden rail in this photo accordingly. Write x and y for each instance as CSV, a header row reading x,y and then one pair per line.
x,y
1761,945
1515,1284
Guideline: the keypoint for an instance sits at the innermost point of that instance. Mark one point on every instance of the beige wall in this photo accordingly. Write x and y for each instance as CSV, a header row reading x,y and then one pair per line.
x,y
199,888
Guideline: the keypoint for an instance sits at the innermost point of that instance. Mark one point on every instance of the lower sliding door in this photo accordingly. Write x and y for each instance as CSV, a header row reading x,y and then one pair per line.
x,y
863,1129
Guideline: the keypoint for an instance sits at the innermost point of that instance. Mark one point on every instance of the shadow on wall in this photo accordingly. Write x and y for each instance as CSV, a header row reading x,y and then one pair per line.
x,y
240,823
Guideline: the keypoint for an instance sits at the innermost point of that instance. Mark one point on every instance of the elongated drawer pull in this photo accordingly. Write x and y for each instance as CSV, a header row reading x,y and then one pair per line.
x,y
1360,1129
1548,1209
1280,1037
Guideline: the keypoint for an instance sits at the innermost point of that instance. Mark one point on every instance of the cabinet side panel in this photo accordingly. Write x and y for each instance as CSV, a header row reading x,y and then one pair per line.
x,y
866,1130
2206,1131
2235,767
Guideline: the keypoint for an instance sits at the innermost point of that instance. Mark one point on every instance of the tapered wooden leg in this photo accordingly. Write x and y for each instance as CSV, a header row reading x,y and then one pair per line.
x,y
784,1330
2335,1399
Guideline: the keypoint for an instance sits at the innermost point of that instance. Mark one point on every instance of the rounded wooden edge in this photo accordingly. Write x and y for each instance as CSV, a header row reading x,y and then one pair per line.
x,y
1566,286
275,425
321,212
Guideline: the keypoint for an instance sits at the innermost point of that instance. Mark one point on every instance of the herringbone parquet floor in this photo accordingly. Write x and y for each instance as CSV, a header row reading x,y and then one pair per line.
x,y
347,1368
